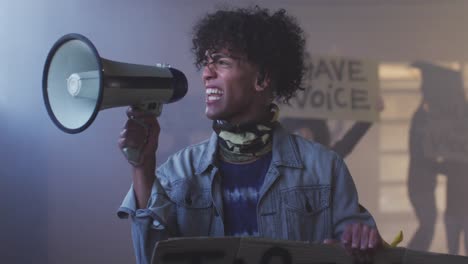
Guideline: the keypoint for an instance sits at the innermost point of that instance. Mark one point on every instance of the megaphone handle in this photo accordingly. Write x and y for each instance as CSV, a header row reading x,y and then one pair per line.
x,y
133,155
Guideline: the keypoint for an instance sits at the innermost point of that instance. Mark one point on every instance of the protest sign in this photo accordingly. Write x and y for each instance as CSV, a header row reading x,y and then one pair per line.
x,y
234,250
336,88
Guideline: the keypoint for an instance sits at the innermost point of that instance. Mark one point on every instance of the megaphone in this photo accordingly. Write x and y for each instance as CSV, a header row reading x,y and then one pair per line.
x,y
77,83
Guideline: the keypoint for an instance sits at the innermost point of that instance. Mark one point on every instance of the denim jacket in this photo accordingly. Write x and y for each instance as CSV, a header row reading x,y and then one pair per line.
x,y
308,195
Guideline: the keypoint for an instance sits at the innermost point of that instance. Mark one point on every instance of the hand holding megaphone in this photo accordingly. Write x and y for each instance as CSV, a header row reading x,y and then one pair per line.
x,y
139,137
77,83
139,131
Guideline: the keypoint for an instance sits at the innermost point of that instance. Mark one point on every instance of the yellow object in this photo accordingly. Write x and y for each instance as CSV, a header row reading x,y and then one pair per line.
x,y
396,240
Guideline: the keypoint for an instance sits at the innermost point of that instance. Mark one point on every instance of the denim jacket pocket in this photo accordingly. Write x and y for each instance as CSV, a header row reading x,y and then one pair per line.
x,y
194,209
306,212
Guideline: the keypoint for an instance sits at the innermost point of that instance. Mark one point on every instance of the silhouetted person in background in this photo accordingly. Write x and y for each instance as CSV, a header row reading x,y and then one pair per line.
x,y
433,144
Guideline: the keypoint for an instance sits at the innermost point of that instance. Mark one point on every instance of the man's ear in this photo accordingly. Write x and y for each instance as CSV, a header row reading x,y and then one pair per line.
x,y
263,81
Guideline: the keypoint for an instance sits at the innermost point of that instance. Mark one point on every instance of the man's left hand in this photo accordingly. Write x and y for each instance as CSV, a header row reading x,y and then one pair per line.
x,y
361,241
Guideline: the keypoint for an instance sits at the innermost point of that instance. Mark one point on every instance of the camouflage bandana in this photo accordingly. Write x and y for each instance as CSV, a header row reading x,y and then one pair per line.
x,y
240,143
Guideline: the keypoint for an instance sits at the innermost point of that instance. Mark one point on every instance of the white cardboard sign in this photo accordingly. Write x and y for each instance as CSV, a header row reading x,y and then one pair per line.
x,y
337,88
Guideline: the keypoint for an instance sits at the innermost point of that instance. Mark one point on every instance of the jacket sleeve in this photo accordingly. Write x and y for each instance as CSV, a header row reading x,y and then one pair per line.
x,y
346,144
346,208
151,224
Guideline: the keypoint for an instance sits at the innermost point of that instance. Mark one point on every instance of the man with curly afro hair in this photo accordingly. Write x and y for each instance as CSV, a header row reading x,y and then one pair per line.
x,y
251,178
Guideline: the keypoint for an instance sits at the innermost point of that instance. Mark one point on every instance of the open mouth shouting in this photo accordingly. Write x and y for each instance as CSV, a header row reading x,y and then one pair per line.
x,y
213,94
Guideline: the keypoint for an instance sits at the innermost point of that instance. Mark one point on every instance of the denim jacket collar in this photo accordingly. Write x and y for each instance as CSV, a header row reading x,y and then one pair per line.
x,y
208,156
285,152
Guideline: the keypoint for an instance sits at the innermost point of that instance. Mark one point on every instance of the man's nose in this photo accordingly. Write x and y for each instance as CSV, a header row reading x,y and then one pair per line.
x,y
209,72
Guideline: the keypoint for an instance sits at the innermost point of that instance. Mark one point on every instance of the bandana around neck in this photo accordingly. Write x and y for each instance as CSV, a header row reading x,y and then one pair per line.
x,y
240,143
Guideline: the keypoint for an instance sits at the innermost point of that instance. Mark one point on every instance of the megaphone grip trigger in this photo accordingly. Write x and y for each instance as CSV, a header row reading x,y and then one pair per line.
x,y
132,155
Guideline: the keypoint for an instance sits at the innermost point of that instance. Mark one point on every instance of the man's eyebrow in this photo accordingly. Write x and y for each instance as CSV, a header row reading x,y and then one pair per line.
x,y
218,55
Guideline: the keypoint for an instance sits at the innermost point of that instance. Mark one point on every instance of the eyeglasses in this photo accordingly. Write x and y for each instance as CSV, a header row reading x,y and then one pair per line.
x,y
219,61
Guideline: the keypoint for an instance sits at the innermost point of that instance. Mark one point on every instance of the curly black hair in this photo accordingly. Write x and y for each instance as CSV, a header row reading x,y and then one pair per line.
x,y
274,43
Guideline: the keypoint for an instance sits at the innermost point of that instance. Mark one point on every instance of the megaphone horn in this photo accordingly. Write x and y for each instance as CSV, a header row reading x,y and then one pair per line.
x,y
77,83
